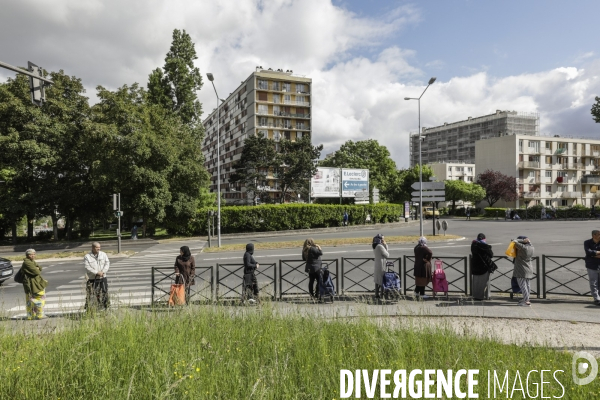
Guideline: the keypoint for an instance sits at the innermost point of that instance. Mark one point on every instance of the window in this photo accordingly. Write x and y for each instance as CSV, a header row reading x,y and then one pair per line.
x,y
560,189
287,87
564,203
548,174
470,169
449,169
276,136
275,110
263,109
470,179
263,121
287,123
287,99
531,174
299,125
548,146
561,174
262,84
287,135
262,96
276,99
298,135
549,188
548,160
300,88
276,86
300,99
521,145
548,203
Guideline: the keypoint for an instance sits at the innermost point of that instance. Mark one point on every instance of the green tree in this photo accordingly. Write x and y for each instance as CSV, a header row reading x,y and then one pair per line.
x,y
295,166
407,177
368,154
175,86
257,160
596,110
457,190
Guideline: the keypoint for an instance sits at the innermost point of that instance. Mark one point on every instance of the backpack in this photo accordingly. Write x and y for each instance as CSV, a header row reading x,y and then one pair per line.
x,y
440,283
19,276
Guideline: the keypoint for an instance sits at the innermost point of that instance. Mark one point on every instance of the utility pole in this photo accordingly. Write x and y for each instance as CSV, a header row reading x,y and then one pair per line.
x,y
36,81
118,213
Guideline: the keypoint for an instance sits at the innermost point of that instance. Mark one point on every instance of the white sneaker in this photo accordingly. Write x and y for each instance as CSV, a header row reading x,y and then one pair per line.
x,y
252,301
425,296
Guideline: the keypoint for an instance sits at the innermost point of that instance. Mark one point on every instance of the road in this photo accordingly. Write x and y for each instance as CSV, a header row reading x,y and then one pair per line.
x,y
130,277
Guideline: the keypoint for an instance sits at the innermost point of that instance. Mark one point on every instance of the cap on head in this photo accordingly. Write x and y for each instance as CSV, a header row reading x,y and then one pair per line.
x,y
522,237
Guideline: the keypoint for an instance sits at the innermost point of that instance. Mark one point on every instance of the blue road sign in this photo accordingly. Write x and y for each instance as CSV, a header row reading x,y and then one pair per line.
x,y
355,185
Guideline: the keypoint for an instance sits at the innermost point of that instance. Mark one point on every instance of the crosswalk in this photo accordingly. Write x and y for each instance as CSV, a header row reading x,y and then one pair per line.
x,y
129,281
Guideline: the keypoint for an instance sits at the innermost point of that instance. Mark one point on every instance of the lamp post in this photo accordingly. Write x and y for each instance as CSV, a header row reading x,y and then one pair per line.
x,y
420,161
211,78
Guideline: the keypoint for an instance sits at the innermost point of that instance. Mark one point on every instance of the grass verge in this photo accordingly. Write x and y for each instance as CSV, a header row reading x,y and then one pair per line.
x,y
325,243
224,353
65,254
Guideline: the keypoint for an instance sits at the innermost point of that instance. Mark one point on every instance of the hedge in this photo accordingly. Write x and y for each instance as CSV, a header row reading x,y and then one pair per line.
x,y
282,217
535,212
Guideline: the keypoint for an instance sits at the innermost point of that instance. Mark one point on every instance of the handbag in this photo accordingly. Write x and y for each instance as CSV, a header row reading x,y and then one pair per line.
x,y
515,285
177,294
511,251
19,276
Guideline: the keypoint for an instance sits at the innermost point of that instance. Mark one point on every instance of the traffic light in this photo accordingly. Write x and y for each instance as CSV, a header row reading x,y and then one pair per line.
x,y
36,86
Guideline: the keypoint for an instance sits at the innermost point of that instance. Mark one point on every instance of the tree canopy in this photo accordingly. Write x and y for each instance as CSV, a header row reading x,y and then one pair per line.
x,y
596,110
457,190
497,186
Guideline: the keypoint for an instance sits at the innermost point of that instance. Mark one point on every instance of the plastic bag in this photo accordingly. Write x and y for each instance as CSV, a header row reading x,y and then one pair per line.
x,y
511,251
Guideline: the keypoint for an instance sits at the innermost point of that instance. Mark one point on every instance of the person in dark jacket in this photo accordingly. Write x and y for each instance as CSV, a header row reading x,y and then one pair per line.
x,y
592,264
422,269
311,253
481,264
185,269
250,266
34,286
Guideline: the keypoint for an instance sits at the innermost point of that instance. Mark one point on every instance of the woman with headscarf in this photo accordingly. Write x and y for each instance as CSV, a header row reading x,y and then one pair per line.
x,y
422,270
481,262
380,248
523,269
250,266
312,253
185,269
34,286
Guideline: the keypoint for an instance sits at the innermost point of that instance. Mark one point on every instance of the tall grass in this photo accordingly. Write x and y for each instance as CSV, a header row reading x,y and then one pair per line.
x,y
227,353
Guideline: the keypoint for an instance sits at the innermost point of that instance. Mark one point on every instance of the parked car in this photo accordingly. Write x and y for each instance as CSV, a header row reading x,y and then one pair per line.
x,y
6,270
428,212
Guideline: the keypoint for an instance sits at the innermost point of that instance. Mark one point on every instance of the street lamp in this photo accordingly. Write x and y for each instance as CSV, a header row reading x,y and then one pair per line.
x,y
420,161
211,78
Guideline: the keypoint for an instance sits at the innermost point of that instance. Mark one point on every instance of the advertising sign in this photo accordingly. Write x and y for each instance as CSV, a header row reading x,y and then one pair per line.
x,y
325,183
406,209
354,180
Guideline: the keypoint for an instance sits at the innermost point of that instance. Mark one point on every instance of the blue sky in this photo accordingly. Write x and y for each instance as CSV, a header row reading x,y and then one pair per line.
x,y
363,57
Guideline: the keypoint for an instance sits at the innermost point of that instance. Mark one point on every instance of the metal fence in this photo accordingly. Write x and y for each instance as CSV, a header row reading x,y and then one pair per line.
x,y
230,277
574,280
293,281
500,280
456,270
357,274
164,277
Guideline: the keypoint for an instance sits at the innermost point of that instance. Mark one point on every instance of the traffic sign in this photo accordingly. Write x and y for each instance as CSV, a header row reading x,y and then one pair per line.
x,y
429,185
361,193
426,199
430,193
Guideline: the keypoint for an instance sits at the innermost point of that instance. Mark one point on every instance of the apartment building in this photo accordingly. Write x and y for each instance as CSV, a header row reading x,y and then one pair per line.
x,y
456,141
453,171
552,171
274,103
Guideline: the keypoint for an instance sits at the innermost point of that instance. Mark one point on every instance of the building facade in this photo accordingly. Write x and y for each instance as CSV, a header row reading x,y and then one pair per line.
x,y
453,171
456,141
274,103
551,171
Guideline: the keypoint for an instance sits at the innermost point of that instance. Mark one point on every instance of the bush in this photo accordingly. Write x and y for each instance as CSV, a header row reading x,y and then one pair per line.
x,y
292,216
85,233
44,235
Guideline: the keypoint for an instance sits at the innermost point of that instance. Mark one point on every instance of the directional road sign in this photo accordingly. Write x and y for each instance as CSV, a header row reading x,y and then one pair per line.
x,y
361,193
425,199
429,193
429,185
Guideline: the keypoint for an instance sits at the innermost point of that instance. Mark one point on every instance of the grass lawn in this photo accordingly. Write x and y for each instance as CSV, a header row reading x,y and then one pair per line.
x,y
226,353
326,243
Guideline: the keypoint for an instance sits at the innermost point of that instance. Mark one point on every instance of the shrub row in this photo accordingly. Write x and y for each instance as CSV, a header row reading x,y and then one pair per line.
x,y
535,212
293,216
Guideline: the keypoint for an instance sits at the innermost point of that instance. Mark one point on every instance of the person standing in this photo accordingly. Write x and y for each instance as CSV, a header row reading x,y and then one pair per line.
x,y
185,270
380,248
250,266
422,268
592,264
481,264
34,286
523,269
468,213
345,218
134,232
312,253
96,264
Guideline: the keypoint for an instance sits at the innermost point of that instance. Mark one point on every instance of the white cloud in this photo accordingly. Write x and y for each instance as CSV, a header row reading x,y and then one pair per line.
x,y
359,85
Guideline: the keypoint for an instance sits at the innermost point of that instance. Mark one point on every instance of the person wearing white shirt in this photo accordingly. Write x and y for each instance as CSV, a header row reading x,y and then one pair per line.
x,y
96,265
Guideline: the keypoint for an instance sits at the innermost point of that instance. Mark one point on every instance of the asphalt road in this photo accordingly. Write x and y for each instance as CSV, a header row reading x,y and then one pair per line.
x,y
132,275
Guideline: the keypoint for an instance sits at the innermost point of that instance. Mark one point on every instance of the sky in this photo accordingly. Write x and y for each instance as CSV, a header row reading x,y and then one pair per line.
x,y
364,57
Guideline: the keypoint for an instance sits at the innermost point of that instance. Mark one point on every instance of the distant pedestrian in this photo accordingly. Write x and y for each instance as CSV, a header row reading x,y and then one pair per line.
x,y
592,264
507,213
96,264
543,214
312,253
593,211
250,267
422,268
468,214
345,218
185,270
380,248
481,266
523,269
34,286
134,232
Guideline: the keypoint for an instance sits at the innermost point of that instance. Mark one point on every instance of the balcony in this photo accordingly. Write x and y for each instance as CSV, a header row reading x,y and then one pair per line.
x,y
531,195
596,195
590,180
529,164
561,150
570,195
531,150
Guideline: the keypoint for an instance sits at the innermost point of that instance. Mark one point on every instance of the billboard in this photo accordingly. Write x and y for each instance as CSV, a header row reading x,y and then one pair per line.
x,y
354,180
325,183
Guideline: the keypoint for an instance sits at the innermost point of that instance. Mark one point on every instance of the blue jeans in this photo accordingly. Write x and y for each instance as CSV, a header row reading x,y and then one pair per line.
x,y
594,276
